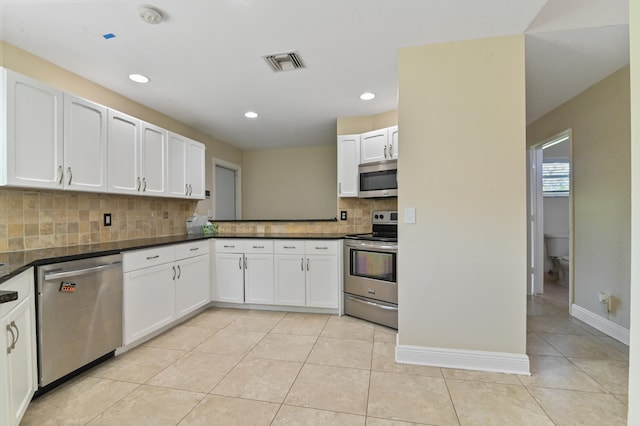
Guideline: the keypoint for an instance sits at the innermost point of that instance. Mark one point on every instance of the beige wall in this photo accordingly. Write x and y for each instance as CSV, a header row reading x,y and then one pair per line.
x,y
35,67
599,120
366,123
462,282
289,183
634,347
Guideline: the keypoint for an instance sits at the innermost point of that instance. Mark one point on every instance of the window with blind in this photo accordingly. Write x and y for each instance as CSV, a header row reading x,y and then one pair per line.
x,y
555,179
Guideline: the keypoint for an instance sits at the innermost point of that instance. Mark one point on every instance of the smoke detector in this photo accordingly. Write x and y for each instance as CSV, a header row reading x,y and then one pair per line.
x,y
284,61
150,14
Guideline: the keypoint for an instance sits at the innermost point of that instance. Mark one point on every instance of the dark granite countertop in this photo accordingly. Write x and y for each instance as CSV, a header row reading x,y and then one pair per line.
x,y
13,263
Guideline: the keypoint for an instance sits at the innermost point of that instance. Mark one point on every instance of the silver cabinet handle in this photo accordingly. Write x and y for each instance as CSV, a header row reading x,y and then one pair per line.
x,y
190,190
13,339
13,324
302,263
307,264
179,271
153,257
391,150
139,183
61,175
289,247
245,263
70,175
258,247
144,182
322,248
186,189
385,151
227,246
174,273
240,262
194,249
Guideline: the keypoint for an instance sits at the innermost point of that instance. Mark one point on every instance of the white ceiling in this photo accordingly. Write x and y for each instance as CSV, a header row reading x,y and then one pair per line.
x,y
206,70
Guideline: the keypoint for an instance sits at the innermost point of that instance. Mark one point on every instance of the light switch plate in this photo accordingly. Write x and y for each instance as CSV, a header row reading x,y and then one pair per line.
x,y
409,215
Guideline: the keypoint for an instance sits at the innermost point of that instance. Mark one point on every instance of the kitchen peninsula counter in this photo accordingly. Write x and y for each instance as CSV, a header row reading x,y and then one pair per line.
x,y
13,263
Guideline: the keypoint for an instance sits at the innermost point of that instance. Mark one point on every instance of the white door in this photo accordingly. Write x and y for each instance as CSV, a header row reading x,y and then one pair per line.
x,y
34,133
192,284
195,169
393,142
85,145
373,146
177,166
258,279
290,280
123,153
322,276
348,160
225,193
536,224
153,159
229,285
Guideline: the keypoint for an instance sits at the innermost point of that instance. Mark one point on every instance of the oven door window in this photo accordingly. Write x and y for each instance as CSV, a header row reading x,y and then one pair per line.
x,y
373,264
378,180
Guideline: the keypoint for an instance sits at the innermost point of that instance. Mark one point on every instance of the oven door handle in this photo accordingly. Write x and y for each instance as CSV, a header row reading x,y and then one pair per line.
x,y
366,302
360,244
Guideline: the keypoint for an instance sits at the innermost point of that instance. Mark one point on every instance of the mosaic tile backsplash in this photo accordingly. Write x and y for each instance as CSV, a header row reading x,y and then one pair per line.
x,y
43,219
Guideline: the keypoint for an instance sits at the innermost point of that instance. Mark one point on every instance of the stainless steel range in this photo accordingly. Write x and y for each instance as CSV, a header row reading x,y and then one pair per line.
x,y
370,272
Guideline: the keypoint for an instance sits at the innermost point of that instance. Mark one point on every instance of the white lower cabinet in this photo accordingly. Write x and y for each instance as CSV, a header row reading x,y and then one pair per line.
x,y
163,284
18,371
310,277
244,271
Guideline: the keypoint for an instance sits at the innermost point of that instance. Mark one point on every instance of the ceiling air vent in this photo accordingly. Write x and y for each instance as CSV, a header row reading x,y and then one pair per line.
x,y
284,61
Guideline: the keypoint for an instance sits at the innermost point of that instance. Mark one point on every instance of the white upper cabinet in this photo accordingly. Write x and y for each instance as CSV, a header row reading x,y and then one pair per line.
x,y
137,156
348,160
186,167
85,145
379,145
153,159
123,157
33,144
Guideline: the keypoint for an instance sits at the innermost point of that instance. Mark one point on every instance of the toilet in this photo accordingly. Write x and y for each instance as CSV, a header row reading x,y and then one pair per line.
x,y
558,251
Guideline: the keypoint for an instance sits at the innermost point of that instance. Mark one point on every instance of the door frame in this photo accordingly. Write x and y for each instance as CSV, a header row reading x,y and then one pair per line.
x,y
535,217
238,170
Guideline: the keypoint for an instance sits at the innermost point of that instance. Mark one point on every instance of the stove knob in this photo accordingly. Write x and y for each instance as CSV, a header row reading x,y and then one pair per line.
x,y
375,216
381,216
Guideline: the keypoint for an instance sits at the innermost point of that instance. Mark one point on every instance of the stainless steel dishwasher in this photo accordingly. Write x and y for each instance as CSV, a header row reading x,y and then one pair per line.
x,y
79,314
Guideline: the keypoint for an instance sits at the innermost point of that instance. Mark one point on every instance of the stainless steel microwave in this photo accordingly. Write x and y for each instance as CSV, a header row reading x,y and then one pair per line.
x,y
378,179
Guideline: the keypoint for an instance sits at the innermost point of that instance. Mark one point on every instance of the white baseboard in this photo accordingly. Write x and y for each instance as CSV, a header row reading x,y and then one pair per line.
x,y
498,362
604,325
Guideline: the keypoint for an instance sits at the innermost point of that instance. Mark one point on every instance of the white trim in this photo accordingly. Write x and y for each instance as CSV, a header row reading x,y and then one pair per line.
x,y
604,325
498,362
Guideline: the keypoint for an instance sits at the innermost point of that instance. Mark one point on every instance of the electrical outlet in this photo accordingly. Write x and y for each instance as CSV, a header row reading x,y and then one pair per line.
x,y
107,219
343,215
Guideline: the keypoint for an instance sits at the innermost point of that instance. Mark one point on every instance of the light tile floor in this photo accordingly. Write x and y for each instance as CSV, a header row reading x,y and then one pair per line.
x,y
234,367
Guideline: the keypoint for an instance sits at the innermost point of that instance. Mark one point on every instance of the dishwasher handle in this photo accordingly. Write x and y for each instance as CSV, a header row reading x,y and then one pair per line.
x,y
78,272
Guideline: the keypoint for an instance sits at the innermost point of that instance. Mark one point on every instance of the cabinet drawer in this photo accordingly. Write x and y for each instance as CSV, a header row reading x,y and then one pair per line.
x,y
146,258
230,246
23,284
289,246
258,246
321,247
196,248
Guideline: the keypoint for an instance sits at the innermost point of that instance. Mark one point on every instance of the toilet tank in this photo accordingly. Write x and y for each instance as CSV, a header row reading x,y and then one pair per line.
x,y
557,245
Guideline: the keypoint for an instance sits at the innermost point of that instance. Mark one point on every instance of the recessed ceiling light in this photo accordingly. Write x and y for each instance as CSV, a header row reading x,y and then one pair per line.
x,y
367,96
251,114
139,78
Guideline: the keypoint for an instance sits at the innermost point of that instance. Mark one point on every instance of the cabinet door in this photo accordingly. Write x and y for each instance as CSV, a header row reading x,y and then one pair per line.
x,y
195,169
290,280
124,153
393,142
229,285
177,159
153,159
348,160
192,284
19,325
85,145
149,300
373,146
258,282
322,281
34,133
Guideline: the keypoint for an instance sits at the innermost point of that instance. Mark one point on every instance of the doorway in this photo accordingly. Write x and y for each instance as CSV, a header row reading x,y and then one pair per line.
x,y
551,217
227,194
